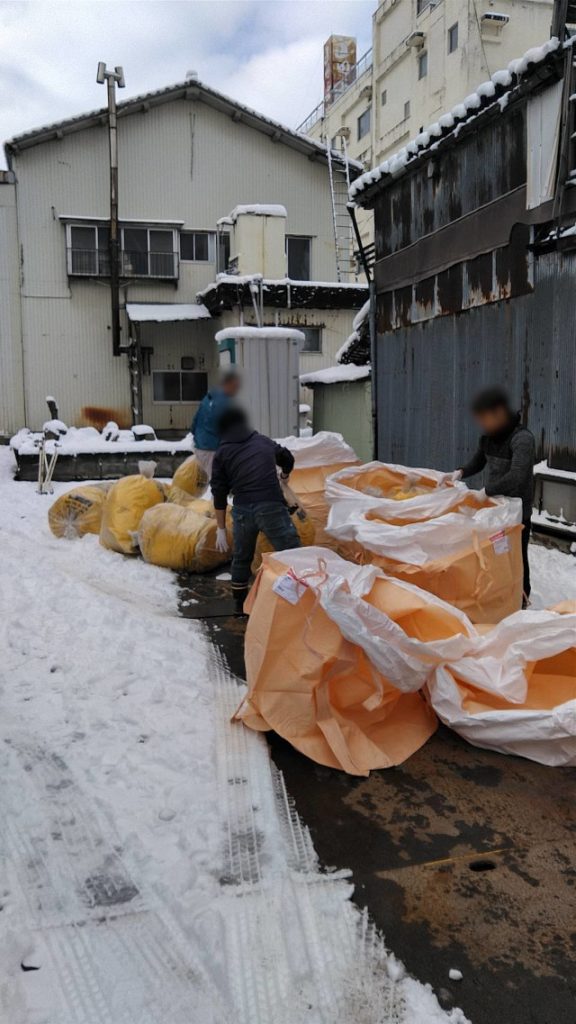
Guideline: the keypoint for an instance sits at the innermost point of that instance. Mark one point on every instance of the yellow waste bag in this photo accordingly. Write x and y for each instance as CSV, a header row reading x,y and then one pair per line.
x,y
305,529
317,689
190,477
179,538
79,511
127,501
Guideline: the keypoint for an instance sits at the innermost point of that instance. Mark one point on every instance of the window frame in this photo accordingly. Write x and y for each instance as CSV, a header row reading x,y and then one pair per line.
x,y
383,97
422,63
311,327
178,373
407,110
367,113
453,29
211,245
299,238
102,268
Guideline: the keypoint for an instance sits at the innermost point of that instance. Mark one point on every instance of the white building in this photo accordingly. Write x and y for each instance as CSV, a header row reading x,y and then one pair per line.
x,y
188,157
426,56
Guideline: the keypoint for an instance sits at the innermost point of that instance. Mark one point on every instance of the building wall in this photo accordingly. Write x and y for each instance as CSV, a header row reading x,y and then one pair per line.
x,y
347,409
12,408
181,161
450,77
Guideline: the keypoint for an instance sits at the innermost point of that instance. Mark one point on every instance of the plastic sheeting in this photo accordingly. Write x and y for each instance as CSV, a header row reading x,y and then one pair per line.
x,y
127,501
180,538
516,691
189,477
79,511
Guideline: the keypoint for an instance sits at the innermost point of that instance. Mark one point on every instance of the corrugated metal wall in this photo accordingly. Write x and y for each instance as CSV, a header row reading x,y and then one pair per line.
x,y
427,372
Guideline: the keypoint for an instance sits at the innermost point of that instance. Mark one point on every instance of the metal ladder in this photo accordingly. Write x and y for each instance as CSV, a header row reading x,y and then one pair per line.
x,y
339,175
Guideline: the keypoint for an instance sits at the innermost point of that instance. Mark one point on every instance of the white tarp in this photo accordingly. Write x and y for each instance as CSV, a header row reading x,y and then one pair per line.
x,y
543,121
326,448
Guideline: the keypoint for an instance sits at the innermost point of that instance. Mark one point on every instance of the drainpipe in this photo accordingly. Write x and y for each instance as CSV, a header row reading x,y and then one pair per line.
x,y
111,78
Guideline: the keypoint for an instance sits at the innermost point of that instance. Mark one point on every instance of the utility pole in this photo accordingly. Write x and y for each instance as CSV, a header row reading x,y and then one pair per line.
x,y
111,78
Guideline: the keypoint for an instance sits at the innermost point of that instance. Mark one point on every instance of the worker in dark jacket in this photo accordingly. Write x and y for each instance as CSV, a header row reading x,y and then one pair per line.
x,y
507,451
245,467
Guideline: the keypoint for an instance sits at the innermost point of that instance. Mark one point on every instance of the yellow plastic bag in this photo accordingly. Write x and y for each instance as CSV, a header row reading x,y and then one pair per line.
x,y
305,529
79,511
127,501
179,538
190,477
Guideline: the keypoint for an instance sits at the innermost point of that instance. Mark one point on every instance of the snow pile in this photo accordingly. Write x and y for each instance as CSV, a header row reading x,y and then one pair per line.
x,y
165,312
248,333
89,441
336,374
395,164
258,210
154,869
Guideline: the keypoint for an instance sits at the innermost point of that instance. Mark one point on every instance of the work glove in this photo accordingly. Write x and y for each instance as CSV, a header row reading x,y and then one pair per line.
x,y
450,478
221,541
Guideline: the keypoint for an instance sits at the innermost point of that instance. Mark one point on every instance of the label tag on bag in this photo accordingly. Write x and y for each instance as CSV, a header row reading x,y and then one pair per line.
x,y
500,543
289,588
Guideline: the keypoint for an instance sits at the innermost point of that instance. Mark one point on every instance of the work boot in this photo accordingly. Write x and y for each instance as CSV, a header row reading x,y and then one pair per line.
x,y
239,593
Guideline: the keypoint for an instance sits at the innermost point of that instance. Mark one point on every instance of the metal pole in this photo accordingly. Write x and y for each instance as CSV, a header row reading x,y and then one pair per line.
x,y
112,78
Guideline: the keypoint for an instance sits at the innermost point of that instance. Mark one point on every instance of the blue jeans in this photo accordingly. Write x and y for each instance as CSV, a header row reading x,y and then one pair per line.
x,y
271,518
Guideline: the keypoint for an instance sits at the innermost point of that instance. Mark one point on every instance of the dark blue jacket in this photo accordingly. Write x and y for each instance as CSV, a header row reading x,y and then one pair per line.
x,y
205,422
245,467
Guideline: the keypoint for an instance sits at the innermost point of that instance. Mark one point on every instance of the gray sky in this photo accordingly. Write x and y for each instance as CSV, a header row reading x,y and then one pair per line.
x,y
265,53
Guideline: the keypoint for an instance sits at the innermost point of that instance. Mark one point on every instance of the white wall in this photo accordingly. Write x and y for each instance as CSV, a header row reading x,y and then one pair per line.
x,y
11,369
182,161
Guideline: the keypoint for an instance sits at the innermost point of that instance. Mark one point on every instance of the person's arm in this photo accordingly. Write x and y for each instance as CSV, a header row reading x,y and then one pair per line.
x,y
512,484
284,459
475,465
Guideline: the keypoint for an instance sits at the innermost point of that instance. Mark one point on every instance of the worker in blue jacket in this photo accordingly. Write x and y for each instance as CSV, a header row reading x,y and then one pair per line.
x,y
205,428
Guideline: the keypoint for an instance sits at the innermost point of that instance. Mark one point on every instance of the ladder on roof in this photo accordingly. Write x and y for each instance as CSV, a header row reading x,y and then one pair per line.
x,y
339,174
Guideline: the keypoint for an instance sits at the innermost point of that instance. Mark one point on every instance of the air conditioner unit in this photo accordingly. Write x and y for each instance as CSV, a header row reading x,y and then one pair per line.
x,y
416,40
494,19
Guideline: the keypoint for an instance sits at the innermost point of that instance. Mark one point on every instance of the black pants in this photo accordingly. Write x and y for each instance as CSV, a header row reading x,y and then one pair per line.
x,y
527,524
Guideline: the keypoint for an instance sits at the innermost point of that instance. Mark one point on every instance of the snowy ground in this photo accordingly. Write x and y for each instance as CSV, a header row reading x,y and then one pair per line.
x,y
153,869
152,866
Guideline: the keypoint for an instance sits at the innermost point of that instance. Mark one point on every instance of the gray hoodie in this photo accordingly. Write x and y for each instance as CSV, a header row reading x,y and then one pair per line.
x,y
508,458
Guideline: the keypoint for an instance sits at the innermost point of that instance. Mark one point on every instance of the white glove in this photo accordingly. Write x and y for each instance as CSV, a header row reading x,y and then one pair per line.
x,y
450,478
221,541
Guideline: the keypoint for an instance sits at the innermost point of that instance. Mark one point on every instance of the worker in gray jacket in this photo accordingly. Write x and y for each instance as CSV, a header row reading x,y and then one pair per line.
x,y
507,451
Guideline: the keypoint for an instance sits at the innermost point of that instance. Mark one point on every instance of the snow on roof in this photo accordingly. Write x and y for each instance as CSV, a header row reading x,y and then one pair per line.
x,y
159,313
357,323
258,210
242,279
189,89
335,374
396,164
254,333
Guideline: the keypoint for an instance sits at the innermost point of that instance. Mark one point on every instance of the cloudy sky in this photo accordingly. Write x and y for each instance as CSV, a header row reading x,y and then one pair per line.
x,y
265,53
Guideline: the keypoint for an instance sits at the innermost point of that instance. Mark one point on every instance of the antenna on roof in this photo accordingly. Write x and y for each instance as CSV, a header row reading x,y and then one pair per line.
x,y
192,76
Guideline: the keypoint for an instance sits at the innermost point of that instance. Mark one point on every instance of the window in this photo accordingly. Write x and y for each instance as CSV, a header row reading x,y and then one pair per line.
x,y
453,37
364,124
198,246
223,252
383,97
423,65
407,110
144,252
422,5
312,339
298,250
176,386
88,249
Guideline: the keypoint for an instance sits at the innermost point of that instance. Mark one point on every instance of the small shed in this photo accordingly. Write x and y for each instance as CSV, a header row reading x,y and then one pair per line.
x,y
343,403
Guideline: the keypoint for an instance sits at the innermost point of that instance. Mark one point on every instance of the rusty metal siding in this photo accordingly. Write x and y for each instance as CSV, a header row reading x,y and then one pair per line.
x,y
427,372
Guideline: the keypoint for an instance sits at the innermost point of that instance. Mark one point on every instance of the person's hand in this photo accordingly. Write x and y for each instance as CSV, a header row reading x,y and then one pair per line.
x,y
222,541
450,478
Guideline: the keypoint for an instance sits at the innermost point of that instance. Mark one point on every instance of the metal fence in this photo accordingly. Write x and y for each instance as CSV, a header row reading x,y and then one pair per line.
x,y
96,263
426,373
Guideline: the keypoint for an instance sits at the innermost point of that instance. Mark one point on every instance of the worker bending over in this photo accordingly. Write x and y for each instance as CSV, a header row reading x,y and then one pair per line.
x,y
245,467
205,423
507,450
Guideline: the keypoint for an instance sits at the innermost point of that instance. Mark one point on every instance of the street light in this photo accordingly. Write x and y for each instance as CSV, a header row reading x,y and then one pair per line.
x,y
113,78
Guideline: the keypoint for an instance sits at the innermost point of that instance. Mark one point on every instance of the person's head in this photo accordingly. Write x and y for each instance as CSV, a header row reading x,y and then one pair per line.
x,y
233,421
230,381
492,410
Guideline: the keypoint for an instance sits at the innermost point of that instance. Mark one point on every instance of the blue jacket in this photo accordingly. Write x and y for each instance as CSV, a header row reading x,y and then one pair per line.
x,y
205,422
245,466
